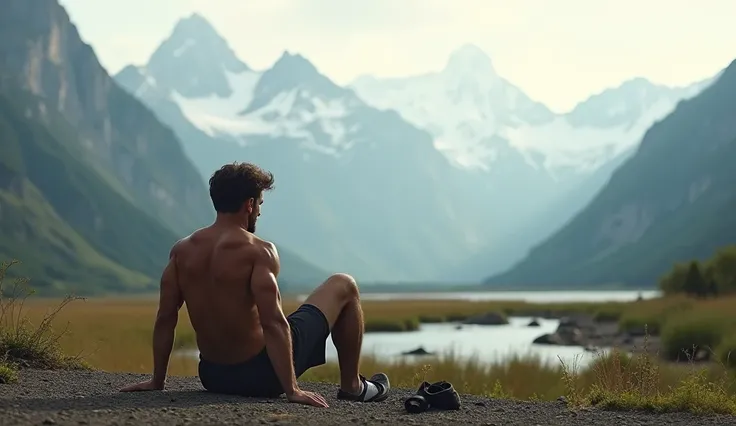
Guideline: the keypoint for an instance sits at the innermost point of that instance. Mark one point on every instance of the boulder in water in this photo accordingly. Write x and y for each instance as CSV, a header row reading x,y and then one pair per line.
x,y
547,339
418,351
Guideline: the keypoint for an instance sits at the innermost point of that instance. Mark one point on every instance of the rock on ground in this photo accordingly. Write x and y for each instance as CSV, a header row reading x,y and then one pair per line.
x,y
92,398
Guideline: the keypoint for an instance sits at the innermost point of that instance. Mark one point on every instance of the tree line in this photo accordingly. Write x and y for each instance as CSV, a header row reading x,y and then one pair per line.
x,y
712,277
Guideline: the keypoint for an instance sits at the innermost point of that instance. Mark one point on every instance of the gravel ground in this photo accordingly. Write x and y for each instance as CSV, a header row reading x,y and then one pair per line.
x,y
90,398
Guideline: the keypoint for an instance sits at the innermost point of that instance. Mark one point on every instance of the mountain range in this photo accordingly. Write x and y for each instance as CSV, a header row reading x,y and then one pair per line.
x,y
452,175
351,179
551,165
94,190
455,175
671,201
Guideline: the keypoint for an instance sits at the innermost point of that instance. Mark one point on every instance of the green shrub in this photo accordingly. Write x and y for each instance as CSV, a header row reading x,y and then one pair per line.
x,y
431,319
384,325
23,344
695,394
607,315
457,317
411,324
721,268
673,282
637,323
8,373
726,351
683,337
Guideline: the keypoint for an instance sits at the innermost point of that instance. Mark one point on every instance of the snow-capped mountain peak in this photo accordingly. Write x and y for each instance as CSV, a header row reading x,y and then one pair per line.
x,y
626,103
294,65
195,60
294,75
225,99
377,169
464,106
468,108
195,39
470,60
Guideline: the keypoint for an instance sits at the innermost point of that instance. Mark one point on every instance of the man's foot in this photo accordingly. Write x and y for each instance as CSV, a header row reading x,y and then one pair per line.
x,y
374,389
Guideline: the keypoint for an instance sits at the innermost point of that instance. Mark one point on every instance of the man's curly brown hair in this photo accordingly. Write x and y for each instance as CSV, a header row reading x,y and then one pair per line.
x,y
233,184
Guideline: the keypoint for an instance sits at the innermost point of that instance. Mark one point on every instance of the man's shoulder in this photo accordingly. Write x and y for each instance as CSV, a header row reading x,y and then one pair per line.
x,y
185,243
266,248
249,245
178,246
262,244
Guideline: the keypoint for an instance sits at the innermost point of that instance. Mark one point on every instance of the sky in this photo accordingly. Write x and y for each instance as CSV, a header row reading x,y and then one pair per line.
x,y
557,51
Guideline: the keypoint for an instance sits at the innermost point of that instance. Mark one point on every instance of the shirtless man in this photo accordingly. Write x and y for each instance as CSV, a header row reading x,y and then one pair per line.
x,y
227,278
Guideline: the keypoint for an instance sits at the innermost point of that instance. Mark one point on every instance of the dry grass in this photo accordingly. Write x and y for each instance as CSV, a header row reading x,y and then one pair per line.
x,y
115,335
643,382
25,343
508,379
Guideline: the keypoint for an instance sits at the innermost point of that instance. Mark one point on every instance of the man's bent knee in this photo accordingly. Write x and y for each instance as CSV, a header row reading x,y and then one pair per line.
x,y
333,294
345,282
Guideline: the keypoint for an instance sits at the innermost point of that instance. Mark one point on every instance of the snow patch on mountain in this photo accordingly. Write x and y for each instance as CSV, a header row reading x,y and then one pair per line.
x,y
583,149
462,108
183,48
467,104
149,83
294,113
214,114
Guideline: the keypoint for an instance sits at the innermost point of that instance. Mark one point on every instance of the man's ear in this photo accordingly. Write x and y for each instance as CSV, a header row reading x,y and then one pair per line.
x,y
249,205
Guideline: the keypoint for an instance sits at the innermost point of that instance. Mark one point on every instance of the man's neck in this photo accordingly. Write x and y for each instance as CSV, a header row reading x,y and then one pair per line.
x,y
231,220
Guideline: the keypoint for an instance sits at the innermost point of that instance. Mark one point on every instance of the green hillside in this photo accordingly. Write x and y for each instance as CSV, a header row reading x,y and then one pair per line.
x,y
94,189
69,228
70,222
670,202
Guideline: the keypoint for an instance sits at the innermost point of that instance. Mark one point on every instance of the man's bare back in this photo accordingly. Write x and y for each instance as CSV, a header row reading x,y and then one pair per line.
x,y
214,266
228,279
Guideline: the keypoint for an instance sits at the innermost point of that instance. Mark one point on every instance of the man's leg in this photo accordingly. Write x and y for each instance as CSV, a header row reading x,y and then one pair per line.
x,y
339,300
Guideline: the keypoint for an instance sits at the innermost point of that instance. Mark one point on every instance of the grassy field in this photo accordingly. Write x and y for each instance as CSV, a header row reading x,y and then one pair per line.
x,y
115,335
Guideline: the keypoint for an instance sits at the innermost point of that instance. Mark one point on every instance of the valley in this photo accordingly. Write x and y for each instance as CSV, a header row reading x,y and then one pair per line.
x,y
454,177
356,165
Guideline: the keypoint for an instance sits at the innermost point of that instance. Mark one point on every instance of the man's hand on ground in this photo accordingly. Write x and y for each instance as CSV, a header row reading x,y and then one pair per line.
x,y
148,385
308,398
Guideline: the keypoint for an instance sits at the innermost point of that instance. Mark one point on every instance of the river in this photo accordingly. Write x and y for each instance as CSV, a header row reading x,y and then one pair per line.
x,y
525,296
486,343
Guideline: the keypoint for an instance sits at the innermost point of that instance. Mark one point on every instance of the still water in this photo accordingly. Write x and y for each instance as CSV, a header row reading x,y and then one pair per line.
x,y
486,343
525,296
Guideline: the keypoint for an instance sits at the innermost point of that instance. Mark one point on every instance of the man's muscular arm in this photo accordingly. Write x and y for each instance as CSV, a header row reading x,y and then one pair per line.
x,y
276,330
170,301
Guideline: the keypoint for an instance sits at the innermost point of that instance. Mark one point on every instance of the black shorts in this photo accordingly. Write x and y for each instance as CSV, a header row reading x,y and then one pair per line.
x,y
256,377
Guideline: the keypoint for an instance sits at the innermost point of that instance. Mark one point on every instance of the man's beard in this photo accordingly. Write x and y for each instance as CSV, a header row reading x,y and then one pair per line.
x,y
252,225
